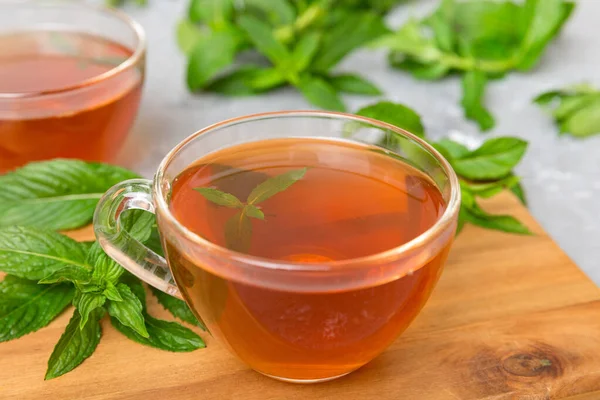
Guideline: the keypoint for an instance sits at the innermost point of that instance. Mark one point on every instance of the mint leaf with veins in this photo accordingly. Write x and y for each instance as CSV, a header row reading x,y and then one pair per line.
x,y
26,306
57,194
238,228
35,254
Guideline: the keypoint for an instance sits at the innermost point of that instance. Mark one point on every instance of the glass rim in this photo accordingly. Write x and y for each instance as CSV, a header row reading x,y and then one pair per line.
x,y
129,63
439,227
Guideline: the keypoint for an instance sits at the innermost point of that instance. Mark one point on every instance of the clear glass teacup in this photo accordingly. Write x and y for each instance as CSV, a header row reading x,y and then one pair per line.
x,y
307,319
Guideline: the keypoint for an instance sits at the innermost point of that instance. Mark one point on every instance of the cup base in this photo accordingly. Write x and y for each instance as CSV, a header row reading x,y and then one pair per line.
x,y
305,381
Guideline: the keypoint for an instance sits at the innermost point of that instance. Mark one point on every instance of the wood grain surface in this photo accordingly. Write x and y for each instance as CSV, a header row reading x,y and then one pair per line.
x,y
512,318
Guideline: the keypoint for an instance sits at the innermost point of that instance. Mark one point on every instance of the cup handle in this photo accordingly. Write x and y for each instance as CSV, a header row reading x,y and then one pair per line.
x,y
133,194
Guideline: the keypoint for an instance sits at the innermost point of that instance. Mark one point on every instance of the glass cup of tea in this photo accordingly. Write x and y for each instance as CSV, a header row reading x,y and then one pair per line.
x,y
70,80
307,241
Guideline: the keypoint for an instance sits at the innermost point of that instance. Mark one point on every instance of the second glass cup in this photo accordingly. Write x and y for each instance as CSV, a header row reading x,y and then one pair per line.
x,y
71,79
320,288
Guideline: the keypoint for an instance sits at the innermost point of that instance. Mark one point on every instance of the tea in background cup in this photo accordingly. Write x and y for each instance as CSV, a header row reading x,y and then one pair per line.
x,y
70,81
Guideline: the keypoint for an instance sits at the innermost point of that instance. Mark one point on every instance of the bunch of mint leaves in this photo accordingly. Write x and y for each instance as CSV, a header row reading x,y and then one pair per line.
x,y
575,109
47,271
479,39
483,172
250,47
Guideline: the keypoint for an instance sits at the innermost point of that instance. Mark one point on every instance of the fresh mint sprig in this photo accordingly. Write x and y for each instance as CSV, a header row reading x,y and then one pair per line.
x,y
575,109
479,39
483,172
47,270
238,228
299,43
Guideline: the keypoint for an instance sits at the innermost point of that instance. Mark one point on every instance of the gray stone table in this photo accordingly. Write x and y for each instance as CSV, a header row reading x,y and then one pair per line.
x,y
561,174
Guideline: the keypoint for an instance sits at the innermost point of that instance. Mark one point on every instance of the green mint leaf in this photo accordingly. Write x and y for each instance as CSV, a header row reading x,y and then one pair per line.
x,y
215,13
441,24
543,20
57,194
575,109
518,191
274,185
178,308
351,83
261,35
70,273
34,254
164,335
154,243
254,212
85,303
490,189
583,122
394,114
105,268
188,36
411,41
429,72
238,232
569,105
247,80
491,29
220,198
340,40
211,54
578,90
504,223
320,93
128,311
138,223
305,50
279,12
450,149
495,159
111,292
137,288
75,344
473,92
26,306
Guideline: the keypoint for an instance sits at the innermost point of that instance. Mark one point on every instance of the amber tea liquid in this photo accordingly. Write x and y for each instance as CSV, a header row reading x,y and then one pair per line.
x,y
353,201
89,123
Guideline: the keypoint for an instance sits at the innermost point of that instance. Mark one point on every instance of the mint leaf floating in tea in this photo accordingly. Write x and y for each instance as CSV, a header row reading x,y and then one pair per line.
x,y
297,43
220,198
481,39
238,228
274,185
77,343
57,194
575,109
26,306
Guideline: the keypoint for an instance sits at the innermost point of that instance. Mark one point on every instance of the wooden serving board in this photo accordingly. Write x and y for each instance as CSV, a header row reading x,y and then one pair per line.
x,y
512,318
